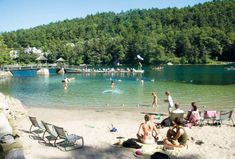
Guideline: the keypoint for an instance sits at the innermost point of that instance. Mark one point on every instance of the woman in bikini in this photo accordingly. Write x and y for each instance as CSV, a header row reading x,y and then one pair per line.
x,y
147,132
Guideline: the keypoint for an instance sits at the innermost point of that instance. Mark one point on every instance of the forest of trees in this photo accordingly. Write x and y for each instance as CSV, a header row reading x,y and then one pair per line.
x,y
191,35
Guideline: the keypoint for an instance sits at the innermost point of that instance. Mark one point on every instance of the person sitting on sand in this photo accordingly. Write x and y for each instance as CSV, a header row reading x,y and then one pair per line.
x,y
173,114
176,136
177,109
193,108
193,115
147,132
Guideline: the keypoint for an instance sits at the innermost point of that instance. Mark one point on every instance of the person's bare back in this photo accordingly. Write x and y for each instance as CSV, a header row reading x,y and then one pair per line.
x,y
147,131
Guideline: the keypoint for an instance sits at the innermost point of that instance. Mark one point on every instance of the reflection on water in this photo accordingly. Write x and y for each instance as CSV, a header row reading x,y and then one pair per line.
x,y
210,86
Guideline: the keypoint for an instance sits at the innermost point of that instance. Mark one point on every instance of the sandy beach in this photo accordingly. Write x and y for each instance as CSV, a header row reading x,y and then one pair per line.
x,y
94,125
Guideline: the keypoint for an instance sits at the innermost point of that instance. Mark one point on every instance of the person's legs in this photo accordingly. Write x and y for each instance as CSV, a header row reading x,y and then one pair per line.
x,y
166,142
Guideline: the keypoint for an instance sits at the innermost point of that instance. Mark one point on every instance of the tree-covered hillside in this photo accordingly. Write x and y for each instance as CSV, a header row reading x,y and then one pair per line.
x,y
197,34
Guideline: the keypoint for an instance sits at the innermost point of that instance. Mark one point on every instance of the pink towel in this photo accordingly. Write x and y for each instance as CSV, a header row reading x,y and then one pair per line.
x,y
210,114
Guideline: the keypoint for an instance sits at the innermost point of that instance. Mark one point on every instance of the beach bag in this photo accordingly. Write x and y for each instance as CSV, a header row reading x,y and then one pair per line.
x,y
159,155
166,122
131,143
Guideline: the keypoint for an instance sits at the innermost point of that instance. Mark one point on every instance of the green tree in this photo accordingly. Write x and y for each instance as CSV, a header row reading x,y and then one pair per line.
x,y
4,53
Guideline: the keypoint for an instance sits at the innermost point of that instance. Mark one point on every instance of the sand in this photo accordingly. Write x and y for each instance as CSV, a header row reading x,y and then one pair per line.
x,y
94,126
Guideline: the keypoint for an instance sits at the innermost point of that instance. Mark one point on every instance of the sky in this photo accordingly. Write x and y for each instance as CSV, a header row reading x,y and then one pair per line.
x,y
23,14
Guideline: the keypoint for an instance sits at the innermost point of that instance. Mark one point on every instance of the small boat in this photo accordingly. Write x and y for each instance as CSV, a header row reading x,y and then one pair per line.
x,y
72,70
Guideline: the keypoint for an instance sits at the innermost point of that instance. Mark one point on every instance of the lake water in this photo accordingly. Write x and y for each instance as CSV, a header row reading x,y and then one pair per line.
x,y
210,86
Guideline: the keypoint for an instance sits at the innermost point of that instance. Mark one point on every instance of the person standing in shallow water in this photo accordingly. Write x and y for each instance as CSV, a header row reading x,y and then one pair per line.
x,y
142,81
155,100
169,100
112,85
66,82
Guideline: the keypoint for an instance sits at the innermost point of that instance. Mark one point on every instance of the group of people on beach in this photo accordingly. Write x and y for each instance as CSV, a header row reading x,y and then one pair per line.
x,y
176,135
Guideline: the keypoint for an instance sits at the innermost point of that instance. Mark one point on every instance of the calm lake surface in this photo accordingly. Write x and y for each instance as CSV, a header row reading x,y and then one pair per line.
x,y
213,87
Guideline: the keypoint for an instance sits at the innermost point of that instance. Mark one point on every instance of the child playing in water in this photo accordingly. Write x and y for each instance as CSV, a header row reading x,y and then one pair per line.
x,y
155,100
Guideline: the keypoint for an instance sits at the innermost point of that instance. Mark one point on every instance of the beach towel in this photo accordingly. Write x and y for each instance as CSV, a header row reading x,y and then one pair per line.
x,y
210,114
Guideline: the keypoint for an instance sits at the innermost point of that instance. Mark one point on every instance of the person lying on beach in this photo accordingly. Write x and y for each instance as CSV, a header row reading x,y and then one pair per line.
x,y
176,136
147,132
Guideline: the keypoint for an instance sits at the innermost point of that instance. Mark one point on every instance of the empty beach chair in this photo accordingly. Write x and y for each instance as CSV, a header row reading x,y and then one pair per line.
x,y
201,122
36,127
67,141
210,116
224,115
49,132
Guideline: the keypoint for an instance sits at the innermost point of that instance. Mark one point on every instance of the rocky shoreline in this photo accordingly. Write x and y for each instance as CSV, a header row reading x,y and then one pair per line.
x,y
11,110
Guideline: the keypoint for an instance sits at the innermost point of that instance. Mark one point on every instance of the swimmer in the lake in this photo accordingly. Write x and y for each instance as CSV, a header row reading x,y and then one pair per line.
x,y
112,85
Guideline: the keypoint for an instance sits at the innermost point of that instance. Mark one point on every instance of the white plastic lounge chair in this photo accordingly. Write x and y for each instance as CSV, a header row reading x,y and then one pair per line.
x,y
67,141
49,132
38,128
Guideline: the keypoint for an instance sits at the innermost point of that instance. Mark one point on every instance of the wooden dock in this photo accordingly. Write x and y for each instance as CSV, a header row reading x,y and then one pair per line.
x,y
69,68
